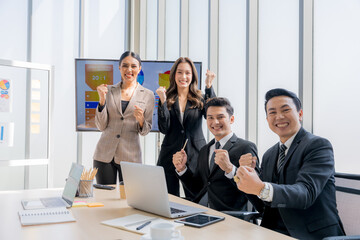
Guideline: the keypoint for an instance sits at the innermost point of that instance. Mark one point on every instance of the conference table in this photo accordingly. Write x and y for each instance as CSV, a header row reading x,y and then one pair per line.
x,y
88,220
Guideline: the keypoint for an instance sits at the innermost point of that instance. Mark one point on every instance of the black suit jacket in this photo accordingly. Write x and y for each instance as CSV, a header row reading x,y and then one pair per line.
x,y
223,194
176,132
305,192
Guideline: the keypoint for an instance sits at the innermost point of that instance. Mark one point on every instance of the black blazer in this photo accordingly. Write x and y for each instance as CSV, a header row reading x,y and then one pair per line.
x,y
176,132
223,195
305,192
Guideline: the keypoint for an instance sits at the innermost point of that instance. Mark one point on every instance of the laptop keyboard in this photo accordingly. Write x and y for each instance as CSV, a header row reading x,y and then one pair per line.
x,y
52,202
175,210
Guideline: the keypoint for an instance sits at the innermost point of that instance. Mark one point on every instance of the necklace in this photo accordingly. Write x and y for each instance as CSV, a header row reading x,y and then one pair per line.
x,y
128,92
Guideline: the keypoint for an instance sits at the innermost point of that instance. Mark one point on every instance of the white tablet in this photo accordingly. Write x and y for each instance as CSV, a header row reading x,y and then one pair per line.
x,y
200,220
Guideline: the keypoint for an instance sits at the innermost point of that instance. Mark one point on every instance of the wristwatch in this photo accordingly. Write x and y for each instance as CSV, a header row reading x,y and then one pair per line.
x,y
264,193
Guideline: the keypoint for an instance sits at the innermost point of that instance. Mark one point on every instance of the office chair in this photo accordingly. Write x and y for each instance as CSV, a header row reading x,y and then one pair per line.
x,y
251,215
348,204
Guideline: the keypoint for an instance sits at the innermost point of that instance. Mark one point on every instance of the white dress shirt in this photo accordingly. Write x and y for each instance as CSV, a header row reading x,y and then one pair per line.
x,y
287,144
222,141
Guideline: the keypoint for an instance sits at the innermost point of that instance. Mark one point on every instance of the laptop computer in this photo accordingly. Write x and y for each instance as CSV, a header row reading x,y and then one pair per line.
x,y
145,189
67,199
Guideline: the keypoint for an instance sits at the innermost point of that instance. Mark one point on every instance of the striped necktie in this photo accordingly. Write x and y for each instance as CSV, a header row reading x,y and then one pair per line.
x,y
281,160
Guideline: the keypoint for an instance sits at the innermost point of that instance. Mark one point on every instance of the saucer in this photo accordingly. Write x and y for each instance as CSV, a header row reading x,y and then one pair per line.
x,y
148,237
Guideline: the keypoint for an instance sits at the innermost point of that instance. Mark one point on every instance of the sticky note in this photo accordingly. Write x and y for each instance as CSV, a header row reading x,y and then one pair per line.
x,y
35,129
95,204
35,83
35,95
35,118
35,107
79,204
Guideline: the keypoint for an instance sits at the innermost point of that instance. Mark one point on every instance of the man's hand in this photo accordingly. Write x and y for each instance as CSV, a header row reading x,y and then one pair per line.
x,y
179,160
247,160
222,159
249,182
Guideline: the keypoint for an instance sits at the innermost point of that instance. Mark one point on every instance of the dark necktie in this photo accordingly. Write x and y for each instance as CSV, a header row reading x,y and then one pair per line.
x,y
204,200
212,160
281,160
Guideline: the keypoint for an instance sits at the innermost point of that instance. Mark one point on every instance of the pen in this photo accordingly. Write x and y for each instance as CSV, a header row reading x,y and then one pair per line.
x,y
143,225
185,143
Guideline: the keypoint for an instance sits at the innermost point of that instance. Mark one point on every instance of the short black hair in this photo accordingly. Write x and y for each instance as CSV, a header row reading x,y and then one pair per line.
x,y
132,54
282,92
220,102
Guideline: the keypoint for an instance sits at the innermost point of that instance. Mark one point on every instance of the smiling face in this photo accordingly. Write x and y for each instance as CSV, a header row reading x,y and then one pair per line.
x,y
129,69
183,75
283,117
218,121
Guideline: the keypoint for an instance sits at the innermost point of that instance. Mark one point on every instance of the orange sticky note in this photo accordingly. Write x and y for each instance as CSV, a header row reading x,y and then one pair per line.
x,y
95,204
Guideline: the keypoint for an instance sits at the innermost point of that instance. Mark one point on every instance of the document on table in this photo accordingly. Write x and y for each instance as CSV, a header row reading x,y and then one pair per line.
x,y
131,222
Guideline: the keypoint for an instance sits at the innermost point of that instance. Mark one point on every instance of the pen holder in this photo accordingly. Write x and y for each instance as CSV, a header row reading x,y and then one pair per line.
x,y
122,190
85,188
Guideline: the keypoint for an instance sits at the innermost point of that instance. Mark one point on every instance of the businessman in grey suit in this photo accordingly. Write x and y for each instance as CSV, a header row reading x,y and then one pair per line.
x,y
296,184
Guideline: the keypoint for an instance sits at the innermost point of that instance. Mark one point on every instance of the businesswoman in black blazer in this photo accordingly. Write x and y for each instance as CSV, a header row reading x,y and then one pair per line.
x,y
180,113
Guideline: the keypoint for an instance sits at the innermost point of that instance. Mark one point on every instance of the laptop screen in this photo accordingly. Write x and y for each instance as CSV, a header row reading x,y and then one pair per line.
x,y
72,183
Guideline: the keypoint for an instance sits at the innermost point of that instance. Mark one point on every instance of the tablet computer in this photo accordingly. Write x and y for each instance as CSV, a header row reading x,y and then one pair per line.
x,y
200,220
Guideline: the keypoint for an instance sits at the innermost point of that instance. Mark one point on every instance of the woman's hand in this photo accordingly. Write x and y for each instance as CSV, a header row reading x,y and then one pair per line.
x,y
139,115
161,91
102,91
210,76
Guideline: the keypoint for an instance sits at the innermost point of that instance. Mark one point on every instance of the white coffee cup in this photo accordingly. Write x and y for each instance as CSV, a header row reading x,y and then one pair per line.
x,y
164,231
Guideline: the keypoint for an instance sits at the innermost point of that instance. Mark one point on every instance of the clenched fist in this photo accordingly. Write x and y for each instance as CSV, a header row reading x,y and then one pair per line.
x,y
102,91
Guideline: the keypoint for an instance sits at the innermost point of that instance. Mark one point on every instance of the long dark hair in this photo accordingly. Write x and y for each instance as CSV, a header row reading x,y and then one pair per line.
x,y
194,95
126,54
132,54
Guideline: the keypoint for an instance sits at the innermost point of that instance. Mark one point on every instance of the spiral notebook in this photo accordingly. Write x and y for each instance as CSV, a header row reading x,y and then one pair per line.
x,y
45,216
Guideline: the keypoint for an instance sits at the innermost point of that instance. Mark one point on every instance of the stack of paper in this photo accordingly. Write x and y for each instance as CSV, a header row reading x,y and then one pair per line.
x,y
131,222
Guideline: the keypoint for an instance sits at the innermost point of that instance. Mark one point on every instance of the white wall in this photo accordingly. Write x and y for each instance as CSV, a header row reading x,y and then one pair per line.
x,y
278,65
336,79
55,41
232,59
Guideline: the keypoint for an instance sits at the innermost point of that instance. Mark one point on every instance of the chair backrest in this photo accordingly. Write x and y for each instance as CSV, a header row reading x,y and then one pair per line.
x,y
348,201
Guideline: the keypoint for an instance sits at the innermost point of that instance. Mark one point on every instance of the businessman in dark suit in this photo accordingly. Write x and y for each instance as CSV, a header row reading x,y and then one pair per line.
x,y
212,180
296,183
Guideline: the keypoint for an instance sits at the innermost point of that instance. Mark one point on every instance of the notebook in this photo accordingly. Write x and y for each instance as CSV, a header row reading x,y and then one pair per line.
x,y
44,216
132,222
145,189
68,195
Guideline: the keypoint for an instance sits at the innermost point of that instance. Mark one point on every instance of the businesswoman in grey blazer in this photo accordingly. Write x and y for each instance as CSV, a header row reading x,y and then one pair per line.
x,y
125,110
180,113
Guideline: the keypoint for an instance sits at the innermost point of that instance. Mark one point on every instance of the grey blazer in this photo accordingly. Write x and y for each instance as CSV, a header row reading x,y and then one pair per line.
x,y
120,131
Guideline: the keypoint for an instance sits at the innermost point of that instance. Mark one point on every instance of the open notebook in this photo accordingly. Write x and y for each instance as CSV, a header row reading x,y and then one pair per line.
x,y
44,216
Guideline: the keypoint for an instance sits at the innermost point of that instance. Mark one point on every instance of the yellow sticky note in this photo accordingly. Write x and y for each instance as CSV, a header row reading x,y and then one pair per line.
x,y
35,83
35,95
35,129
35,118
35,107
95,204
